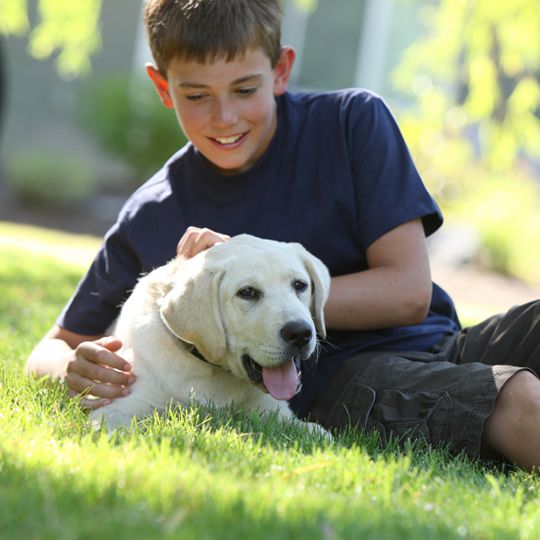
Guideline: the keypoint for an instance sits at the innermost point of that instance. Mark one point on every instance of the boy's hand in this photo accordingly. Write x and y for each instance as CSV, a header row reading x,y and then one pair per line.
x,y
98,371
196,240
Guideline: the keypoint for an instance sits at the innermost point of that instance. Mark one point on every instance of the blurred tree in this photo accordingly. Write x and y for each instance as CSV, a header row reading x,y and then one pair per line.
x,y
69,26
475,128
476,72
2,84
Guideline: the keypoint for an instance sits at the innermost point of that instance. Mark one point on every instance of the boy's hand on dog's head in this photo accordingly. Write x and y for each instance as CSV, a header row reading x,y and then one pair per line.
x,y
196,240
96,370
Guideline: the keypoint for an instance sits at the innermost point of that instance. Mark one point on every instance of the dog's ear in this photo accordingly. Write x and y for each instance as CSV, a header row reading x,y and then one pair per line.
x,y
320,279
191,311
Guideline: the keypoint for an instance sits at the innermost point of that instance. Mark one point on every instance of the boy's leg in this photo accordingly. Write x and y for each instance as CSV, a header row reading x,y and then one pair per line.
x,y
413,395
513,428
473,394
509,338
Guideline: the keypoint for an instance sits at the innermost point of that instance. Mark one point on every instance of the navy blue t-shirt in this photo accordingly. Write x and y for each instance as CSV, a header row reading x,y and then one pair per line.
x,y
336,176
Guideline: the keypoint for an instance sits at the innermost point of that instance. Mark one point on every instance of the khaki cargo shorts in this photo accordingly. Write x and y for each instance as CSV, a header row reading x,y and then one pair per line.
x,y
442,396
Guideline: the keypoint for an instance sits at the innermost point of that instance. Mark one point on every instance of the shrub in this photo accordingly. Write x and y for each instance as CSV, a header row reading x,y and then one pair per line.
x,y
503,210
128,121
54,180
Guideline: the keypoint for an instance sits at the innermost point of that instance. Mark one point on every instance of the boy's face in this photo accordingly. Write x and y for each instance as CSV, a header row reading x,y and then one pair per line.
x,y
226,109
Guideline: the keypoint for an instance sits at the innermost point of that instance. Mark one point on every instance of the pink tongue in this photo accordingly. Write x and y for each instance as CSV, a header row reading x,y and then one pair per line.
x,y
281,381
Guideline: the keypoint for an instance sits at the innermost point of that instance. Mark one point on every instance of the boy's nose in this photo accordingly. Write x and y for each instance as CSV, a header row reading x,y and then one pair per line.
x,y
223,114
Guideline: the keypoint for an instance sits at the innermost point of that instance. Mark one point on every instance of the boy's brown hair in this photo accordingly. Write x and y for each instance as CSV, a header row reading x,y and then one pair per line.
x,y
204,30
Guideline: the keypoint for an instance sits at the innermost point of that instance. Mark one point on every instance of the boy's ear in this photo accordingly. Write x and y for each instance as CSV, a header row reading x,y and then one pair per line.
x,y
283,69
161,85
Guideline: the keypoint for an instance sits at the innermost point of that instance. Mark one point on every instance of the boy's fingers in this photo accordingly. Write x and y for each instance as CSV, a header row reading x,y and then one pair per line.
x,y
196,240
101,373
205,242
98,371
92,404
82,385
109,342
94,352
87,403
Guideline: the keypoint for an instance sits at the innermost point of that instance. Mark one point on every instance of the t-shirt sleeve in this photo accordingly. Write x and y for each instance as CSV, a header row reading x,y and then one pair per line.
x,y
101,292
390,191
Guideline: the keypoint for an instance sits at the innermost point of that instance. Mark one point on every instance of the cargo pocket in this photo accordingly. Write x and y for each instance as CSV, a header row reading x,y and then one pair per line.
x,y
351,409
414,414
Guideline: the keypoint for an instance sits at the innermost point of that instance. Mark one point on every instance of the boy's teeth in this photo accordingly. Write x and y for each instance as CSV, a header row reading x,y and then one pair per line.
x,y
228,140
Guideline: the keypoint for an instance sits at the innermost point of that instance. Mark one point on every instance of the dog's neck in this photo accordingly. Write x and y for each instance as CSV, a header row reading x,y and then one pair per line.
x,y
188,347
191,349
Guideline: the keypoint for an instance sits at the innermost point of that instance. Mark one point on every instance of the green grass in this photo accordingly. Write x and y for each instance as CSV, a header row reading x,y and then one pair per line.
x,y
204,473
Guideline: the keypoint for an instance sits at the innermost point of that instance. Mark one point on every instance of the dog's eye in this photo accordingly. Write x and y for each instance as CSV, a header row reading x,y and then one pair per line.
x,y
299,286
249,293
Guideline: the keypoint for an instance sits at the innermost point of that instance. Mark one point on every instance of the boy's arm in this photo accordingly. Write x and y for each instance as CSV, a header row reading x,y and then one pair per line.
x,y
84,363
394,291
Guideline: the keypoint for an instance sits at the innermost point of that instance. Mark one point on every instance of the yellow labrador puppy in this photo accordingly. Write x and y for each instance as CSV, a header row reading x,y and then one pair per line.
x,y
228,326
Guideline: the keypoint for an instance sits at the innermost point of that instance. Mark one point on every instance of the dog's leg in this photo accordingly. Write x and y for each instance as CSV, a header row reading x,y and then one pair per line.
x,y
285,412
316,429
121,411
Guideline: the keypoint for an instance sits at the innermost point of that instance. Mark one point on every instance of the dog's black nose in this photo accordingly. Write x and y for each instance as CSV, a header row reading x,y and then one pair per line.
x,y
297,333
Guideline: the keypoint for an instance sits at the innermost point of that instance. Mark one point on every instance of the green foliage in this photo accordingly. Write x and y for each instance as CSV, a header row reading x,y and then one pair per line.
x,y
67,26
476,77
476,125
201,472
306,5
13,16
127,119
71,28
54,180
504,212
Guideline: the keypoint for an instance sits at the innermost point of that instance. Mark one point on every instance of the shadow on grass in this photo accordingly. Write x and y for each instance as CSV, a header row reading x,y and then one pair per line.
x,y
38,504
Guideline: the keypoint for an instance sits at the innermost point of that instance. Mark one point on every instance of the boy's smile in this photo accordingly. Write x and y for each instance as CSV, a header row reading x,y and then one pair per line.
x,y
226,109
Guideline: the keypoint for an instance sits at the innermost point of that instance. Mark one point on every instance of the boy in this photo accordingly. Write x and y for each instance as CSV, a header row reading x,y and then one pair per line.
x,y
331,171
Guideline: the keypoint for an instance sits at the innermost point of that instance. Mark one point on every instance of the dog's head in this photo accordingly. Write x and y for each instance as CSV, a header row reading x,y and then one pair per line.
x,y
251,306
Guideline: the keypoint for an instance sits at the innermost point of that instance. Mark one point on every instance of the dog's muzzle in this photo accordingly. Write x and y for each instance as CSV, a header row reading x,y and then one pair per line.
x,y
283,381
263,379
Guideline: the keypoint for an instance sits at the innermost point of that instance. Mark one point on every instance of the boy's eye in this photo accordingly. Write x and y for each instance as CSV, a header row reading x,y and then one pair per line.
x,y
195,97
247,91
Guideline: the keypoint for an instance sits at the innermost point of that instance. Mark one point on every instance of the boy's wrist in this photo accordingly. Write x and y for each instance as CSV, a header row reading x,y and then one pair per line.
x,y
50,359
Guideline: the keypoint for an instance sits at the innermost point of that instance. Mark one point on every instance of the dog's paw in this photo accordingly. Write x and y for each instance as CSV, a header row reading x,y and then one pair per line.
x,y
108,418
316,429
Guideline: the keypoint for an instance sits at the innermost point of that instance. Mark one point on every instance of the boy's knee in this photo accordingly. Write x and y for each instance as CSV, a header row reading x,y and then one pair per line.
x,y
521,390
517,407
519,397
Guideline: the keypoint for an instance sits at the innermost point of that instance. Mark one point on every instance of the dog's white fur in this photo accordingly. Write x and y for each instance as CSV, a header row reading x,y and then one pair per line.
x,y
205,301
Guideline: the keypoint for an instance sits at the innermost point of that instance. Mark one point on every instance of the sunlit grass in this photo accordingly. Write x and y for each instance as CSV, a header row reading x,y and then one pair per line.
x,y
215,473
74,249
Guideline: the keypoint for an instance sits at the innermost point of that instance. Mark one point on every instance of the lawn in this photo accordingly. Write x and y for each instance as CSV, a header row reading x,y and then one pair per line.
x,y
201,473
